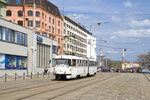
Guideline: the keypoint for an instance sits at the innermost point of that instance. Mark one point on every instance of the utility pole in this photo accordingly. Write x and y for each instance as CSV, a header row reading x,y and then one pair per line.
x,y
123,55
33,42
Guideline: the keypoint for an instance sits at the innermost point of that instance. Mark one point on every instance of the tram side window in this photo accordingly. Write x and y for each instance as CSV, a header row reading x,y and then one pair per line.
x,y
69,62
85,63
74,62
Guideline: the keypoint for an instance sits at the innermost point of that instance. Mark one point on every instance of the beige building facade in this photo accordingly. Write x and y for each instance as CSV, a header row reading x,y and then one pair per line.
x,y
48,20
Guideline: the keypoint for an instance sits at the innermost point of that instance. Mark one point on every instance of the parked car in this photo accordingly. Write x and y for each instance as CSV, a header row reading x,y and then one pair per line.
x,y
145,71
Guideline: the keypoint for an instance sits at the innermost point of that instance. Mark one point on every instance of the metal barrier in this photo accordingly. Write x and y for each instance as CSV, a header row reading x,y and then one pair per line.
x,y
24,76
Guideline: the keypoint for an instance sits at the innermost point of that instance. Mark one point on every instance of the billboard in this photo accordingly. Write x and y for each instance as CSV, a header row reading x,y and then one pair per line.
x,y
2,61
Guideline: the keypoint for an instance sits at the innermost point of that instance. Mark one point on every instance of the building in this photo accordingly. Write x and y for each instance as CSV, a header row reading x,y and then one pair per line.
x,y
48,20
22,51
130,65
91,47
3,9
75,38
15,44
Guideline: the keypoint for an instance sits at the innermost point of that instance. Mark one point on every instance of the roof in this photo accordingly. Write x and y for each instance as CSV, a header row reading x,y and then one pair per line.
x,y
43,3
76,24
69,57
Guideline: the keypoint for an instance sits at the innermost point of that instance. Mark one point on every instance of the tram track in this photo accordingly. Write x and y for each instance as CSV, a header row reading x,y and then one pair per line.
x,y
76,83
79,88
146,77
33,87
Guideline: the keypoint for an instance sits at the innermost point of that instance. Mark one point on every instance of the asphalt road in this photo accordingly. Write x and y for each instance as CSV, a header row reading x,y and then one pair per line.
x,y
103,86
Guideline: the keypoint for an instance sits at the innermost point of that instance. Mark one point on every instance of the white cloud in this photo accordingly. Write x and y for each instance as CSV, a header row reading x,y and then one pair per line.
x,y
128,4
112,52
143,23
115,19
133,33
113,37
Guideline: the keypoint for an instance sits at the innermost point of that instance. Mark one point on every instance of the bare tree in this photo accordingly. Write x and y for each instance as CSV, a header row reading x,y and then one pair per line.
x,y
144,59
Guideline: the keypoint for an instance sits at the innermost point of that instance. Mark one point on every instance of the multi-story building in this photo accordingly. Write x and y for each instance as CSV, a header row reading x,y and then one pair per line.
x,y
48,20
91,47
22,51
75,38
3,8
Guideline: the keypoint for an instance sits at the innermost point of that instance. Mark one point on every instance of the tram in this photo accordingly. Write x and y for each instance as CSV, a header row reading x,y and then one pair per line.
x,y
68,66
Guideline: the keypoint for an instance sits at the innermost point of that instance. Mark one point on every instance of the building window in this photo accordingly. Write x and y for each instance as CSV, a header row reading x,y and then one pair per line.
x,y
37,14
20,23
54,49
37,23
21,38
1,33
8,1
30,23
58,31
49,19
53,21
42,25
37,2
13,36
11,62
43,15
29,1
15,62
58,40
20,13
58,23
18,1
49,28
45,26
8,13
22,62
53,30
30,13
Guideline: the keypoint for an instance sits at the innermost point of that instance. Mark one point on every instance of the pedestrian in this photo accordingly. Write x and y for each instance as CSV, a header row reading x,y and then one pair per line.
x,y
45,70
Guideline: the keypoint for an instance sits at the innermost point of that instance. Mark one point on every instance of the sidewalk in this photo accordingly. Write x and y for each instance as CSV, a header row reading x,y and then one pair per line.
x,y
25,77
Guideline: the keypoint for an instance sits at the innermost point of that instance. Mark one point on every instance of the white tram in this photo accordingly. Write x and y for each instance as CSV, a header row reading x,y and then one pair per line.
x,y
68,66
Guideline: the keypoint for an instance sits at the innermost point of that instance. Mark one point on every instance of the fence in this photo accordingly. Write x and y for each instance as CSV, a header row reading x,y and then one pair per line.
x,y
24,76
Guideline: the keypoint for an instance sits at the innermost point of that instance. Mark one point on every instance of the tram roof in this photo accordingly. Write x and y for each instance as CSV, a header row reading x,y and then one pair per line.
x,y
69,57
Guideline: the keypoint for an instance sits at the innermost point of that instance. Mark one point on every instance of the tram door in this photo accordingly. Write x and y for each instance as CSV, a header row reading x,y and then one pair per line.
x,y
88,65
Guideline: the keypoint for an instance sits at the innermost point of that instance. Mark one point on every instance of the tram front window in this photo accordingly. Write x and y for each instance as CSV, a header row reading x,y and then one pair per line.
x,y
62,61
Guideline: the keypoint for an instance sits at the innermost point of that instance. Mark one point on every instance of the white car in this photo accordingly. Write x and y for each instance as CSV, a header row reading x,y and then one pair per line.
x,y
145,71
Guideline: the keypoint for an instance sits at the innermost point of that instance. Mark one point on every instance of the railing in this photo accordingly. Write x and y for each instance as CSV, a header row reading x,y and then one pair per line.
x,y
24,76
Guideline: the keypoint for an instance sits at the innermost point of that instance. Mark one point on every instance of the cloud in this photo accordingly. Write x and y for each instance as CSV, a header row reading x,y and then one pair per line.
x,y
115,19
133,33
112,52
143,23
113,37
128,4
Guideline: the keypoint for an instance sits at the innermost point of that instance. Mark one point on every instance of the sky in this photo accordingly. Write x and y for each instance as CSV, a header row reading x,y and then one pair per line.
x,y
124,24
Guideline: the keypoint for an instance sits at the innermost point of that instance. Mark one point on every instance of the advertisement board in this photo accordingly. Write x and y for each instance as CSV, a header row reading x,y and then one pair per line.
x,y
2,61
